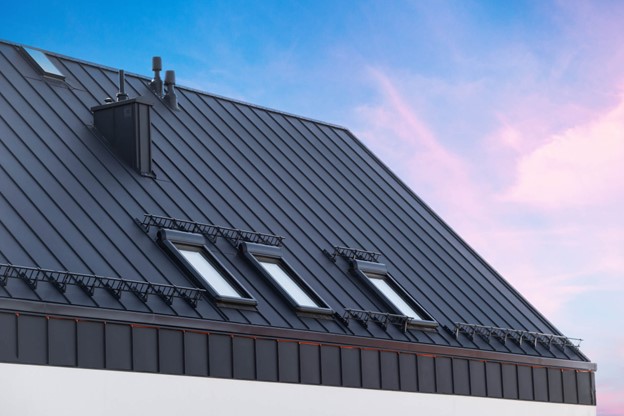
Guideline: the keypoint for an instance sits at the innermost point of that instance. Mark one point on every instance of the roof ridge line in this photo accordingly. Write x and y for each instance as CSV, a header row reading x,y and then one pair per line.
x,y
179,87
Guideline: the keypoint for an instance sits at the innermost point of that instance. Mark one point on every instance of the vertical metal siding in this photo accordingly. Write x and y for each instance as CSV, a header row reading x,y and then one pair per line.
x,y
444,375
266,360
243,358
195,354
170,351
118,347
351,370
585,389
145,349
8,340
389,366
478,386
461,376
220,355
493,379
61,345
510,381
330,366
426,374
309,363
407,372
540,384
525,382
288,361
90,344
569,386
33,339
371,378
555,385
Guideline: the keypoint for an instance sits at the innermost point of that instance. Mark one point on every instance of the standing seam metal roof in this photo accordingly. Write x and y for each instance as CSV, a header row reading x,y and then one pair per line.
x,y
68,203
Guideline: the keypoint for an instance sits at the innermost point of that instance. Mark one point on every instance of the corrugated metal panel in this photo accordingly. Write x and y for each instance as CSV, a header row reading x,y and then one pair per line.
x,y
68,203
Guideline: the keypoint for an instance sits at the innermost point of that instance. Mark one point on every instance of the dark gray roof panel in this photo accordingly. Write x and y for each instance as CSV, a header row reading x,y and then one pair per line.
x,y
68,203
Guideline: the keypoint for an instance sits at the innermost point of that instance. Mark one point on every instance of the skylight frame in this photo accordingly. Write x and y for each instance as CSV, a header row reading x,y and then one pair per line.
x,y
176,241
258,254
367,271
42,63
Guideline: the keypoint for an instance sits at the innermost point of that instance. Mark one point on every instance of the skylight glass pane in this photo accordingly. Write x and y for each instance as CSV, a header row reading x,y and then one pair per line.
x,y
288,284
44,62
209,273
382,285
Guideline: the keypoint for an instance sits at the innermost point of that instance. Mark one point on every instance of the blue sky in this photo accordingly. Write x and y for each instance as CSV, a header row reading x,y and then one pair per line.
x,y
506,117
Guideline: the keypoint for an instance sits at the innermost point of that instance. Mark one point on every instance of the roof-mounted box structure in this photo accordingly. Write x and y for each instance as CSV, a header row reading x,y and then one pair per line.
x,y
126,127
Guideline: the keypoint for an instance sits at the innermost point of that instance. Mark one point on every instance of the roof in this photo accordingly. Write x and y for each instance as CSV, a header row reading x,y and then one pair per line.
x,y
69,203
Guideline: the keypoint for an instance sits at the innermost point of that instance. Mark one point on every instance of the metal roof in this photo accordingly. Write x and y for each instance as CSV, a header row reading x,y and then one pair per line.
x,y
68,203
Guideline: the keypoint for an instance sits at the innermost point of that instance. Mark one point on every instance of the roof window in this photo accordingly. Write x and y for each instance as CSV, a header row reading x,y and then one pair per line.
x,y
42,63
190,251
377,278
271,264
381,282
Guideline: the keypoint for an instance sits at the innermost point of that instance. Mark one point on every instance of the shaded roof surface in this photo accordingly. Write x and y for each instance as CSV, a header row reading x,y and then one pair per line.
x,y
68,203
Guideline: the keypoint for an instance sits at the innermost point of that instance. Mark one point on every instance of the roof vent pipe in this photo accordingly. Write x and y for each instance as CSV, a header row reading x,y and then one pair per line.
x,y
170,96
156,84
121,95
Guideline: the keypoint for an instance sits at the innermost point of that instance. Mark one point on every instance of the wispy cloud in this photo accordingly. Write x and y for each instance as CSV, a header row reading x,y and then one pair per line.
x,y
399,134
580,167
541,202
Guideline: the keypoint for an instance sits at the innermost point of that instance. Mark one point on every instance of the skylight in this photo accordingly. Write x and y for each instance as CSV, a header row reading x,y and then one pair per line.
x,y
208,272
272,265
286,282
375,275
189,250
43,63
381,283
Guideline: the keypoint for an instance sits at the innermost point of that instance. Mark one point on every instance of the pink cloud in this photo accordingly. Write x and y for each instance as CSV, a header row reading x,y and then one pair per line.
x,y
610,400
540,200
580,167
398,134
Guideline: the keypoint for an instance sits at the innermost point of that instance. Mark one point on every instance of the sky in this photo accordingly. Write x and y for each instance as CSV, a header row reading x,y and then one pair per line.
x,y
506,117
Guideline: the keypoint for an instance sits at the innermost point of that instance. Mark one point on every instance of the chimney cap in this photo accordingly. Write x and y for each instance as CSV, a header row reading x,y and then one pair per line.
x,y
156,63
170,77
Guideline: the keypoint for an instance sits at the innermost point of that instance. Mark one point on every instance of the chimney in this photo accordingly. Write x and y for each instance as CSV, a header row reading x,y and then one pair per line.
x,y
125,124
170,96
121,95
156,84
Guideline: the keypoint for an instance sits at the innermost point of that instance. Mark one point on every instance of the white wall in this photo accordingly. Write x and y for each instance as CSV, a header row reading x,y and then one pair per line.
x,y
41,390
